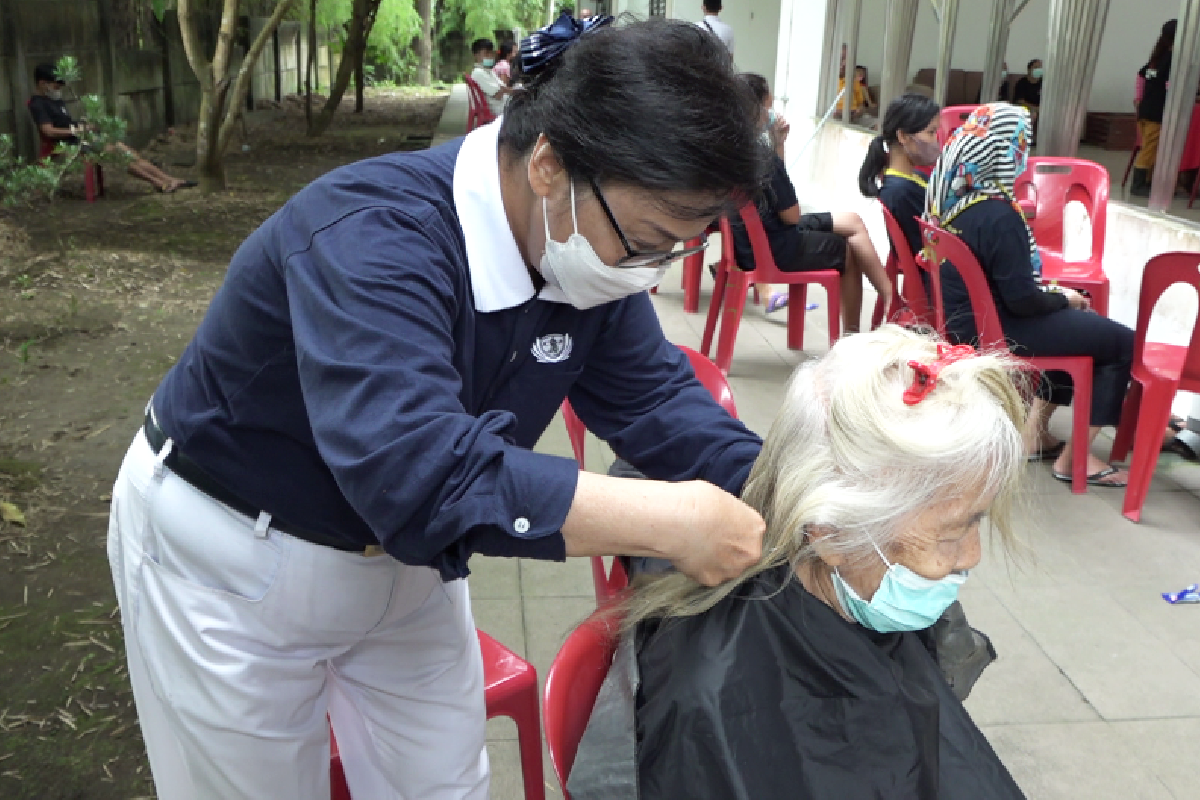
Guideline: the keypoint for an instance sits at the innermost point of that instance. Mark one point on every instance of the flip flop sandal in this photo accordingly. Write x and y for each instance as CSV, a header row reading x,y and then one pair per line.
x,y
1047,454
1181,449
1177,424
778,300
1095,479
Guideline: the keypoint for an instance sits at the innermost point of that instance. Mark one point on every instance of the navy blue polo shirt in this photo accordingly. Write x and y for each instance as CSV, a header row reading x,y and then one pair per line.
x,y
378,364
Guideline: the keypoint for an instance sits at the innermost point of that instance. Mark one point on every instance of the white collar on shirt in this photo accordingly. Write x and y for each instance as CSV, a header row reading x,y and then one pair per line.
x,y
499,278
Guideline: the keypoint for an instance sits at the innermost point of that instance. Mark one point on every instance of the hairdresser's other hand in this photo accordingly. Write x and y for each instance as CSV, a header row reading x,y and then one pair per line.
x,y
725,535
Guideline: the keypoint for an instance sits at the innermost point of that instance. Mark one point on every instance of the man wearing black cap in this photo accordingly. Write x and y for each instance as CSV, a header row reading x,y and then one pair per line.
x,y
55,124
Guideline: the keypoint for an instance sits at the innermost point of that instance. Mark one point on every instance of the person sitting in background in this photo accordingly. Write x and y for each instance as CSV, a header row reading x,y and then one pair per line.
x,y
807,677
493,88
862,103
806,242
907,139
49,113
971,195
1156,74
503,69
1002,92
1028,91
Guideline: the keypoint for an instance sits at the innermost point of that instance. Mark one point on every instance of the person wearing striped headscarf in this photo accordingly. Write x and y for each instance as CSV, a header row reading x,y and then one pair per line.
x,y
970,194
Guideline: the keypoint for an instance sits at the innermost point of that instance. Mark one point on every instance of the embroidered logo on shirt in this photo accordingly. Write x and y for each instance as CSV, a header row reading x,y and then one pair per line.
x,y
552,348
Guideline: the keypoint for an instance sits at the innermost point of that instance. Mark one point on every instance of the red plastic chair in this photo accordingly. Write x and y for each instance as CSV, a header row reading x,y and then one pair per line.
x,y
910,303
510,690
478,111
572,684
733,284
1047,185
951,119
93,175
946,246
609,582
1159,371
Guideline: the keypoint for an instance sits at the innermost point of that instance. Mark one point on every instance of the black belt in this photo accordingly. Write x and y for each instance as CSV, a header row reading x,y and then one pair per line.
x,y
191,472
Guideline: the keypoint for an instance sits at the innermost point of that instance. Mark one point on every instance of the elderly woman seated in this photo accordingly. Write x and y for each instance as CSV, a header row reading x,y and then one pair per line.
x,y
806,678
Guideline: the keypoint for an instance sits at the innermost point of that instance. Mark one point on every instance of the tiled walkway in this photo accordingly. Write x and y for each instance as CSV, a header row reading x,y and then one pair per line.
x,y
1097,690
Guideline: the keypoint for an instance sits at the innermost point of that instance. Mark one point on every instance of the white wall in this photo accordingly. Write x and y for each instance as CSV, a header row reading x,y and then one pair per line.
x,y
755,26
1132,27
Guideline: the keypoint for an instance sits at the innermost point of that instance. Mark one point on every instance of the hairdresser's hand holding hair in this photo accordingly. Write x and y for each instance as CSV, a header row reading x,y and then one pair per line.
x,y
885,458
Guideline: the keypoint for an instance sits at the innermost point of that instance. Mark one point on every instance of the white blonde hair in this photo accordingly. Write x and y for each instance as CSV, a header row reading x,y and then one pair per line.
x,y
847,452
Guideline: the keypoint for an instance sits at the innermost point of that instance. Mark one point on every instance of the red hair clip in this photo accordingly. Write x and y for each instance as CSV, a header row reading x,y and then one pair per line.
x,y
925,375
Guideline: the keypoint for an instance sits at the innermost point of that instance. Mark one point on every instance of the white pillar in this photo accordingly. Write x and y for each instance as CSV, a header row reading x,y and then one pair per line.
x,y
853,9
947,24
1076,28
1002,17
899,27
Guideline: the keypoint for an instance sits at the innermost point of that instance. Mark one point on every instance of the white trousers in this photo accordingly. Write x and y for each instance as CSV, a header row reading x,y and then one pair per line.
x,y
241,639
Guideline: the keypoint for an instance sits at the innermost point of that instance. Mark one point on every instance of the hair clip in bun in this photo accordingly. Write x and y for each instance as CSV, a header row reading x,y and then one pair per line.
x,y
546,44
925,376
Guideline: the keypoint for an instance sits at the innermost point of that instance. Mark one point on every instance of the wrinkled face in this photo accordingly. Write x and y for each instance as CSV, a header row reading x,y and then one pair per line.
x,y
943,538
638,214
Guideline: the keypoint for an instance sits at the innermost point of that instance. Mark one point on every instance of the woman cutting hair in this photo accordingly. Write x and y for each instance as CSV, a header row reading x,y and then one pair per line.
x,y
971,195
292,526
806,678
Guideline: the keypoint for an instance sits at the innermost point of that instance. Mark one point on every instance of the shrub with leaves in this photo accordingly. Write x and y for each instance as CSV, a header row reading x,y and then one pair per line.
x,y
23,182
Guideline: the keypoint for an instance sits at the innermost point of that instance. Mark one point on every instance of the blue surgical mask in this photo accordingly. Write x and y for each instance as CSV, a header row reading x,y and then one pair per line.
x,y
1003,74
488,63
904,600
1038,72
771,118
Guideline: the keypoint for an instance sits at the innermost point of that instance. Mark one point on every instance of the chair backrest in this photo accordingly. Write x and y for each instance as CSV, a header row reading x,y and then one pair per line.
x,y
914,288
1162,272
951,119
1051,183
760,246
572,684
945,246
478,110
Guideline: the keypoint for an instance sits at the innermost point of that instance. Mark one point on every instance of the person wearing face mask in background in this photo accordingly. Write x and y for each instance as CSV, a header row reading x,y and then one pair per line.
x,y
1028,92
801,242
494,89
907,139
355,418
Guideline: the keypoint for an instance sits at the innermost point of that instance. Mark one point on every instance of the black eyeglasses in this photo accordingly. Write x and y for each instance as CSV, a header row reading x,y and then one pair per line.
x,y
635,258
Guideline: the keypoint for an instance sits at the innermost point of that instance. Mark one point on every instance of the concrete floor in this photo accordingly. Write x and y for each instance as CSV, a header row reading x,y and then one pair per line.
x,y
1097,690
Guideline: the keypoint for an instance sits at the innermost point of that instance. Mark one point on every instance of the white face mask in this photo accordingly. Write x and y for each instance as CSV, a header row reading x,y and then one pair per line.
x,y
586,281
56,94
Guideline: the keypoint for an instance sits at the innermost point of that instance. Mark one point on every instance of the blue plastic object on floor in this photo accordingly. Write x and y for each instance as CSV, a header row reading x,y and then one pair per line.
x,y
1189,595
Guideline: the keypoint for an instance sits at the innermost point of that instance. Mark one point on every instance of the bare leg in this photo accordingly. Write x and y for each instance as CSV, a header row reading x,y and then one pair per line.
x,y
1094,465
142,169
1037,433
861,252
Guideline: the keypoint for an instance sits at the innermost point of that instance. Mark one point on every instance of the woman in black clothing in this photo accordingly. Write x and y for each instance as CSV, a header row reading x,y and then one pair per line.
x,y
908,138
970,195
1156,73
1028,91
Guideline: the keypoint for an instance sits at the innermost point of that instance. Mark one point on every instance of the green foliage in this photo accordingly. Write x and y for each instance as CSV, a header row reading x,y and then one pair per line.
x,y
476,18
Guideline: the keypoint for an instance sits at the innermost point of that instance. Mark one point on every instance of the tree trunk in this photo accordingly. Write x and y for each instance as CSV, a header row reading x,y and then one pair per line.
x,y
363,16
360,68
425,43
551,7
221,95
312,57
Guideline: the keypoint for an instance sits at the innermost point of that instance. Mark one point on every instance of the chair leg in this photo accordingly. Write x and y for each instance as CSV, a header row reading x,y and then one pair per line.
x,y
833,291
1081,417
529,740
714,309
797,305
89,183
1129,166
600,580
693,269
1147,441
731,318
1123,441
99,180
